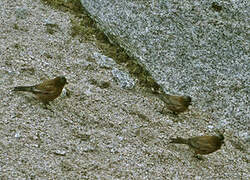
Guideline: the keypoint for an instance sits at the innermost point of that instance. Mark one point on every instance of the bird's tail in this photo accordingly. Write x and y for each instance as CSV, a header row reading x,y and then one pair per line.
x,y
23,88
179,140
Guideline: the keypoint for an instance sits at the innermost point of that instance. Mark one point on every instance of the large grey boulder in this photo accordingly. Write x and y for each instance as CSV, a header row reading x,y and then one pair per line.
x,y
199,48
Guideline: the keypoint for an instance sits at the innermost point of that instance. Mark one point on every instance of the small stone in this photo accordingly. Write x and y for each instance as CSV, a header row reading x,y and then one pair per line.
x,y
22,13
60,152
123,79
103,60
17,135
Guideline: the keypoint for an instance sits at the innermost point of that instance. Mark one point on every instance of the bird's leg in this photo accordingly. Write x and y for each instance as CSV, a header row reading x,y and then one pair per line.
x,y
45,106
174,113
164,111
199,157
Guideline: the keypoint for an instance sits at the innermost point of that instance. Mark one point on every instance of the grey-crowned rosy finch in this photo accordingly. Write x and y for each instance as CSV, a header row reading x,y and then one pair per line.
x,y
201,144
46,91
176,104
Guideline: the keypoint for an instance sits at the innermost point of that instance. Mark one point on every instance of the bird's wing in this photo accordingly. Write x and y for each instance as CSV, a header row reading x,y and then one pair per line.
x,y
44,88
201,144
176,100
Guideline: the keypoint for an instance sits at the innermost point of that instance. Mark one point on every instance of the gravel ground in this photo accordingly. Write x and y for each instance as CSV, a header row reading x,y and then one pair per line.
x,y
104,126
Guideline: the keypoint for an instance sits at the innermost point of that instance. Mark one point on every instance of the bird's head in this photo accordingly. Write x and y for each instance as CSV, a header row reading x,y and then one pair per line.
x,y
187,100
221,138
61,80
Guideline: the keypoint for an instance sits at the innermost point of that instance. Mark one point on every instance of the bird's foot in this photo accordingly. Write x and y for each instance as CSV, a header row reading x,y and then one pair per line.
x,y
47,108
198,157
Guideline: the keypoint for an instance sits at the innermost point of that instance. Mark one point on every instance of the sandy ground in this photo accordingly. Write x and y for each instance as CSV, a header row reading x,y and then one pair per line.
x,y
97,129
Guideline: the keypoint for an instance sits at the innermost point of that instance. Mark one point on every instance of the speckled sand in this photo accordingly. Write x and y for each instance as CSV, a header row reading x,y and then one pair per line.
x,y
97,132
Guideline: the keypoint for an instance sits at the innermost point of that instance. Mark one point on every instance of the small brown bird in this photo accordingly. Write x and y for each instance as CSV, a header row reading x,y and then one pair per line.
x,y
46,91
176,104
201,144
